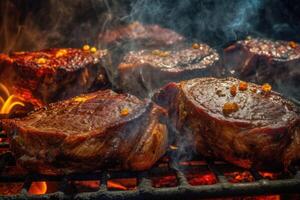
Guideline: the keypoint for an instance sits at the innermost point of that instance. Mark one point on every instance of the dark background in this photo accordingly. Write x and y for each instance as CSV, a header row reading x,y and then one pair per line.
x,y
35,24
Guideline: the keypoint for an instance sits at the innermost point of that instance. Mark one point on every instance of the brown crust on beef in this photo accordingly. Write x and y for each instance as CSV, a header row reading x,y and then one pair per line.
x,y
52,74
263,133
88,133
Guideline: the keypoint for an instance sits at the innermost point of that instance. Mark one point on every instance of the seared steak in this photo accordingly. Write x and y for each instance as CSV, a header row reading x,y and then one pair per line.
x,y
243,123
141,72
89,132
261,61
52,74
139,34
134,36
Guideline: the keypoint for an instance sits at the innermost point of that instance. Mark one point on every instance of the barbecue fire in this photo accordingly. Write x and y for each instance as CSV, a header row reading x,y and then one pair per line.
x,y
38,188
9,101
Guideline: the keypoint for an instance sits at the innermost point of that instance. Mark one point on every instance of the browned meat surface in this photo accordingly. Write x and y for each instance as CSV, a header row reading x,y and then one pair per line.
x,y
261,61
249,126
93,131
141,72
139,34
134,36
52,74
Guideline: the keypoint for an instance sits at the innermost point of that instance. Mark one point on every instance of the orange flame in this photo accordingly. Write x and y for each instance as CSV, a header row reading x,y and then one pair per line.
x,y
38,188
8,103
115,185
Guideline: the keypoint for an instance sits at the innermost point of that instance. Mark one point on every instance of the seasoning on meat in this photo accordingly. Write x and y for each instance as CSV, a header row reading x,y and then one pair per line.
x,y
266,88
41,60
292,44
86,47
124,111
93,49
156,52
164,54
233,90
243,86
230,107
195,46
61,53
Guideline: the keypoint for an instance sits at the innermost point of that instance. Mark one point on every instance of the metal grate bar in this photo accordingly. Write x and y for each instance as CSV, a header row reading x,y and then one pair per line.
x,y
145,190
103,181
3,161
221,178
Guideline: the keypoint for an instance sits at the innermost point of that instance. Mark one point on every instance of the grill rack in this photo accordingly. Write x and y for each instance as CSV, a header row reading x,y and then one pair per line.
x,y
144,189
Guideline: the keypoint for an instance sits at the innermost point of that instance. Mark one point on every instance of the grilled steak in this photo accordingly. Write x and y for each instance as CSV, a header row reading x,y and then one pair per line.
x,y
240,122
140,35
140,72
134,36
93,131
261,61
52,74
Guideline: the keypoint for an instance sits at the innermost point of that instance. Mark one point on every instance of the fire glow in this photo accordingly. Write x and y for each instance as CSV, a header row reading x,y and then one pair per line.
x,y
38,188
9,101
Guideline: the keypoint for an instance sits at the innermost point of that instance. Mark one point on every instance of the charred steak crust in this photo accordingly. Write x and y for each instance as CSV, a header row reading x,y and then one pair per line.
x,y
90,132
52,74
140,34
134,36
262,60
141,72
262,133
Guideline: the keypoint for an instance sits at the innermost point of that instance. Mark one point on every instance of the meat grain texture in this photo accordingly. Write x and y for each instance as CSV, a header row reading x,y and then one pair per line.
x,y
52,74
142,72
263,132
266,61
133,37
101,130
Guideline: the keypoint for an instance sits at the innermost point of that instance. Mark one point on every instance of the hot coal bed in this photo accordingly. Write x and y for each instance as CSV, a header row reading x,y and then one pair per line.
x,y
125,35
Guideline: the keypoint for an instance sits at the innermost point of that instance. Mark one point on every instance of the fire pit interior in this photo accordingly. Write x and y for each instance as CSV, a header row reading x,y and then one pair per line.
x,y
149,99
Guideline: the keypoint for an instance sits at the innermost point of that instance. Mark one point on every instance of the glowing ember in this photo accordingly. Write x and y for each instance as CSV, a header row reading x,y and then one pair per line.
x,y
166,181
201,179
115,185
38,188
9,102
269,175
239,177
10,188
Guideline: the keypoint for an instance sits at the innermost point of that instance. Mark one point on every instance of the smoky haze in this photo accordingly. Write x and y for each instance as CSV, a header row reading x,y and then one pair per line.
x,y
31,25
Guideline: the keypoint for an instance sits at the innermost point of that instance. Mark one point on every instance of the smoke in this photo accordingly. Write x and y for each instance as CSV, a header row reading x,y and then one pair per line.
x,y
32,25
214,22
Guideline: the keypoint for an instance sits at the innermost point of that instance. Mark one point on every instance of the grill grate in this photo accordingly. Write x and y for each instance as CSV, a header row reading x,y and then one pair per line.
x,y
145,190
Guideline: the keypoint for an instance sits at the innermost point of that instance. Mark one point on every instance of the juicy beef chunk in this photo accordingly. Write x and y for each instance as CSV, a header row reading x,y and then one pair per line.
x,y
88,132
243,123
134,36
141,72
261,61
52,74
139,34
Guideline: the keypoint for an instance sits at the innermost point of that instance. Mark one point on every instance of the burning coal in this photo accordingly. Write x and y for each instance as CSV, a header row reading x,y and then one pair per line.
x,y
38,188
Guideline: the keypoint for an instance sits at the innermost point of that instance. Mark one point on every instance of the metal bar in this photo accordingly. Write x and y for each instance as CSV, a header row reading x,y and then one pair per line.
x,y
182,179
220,176
3,161
103,181
256,175
26,186
144,187
63,185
